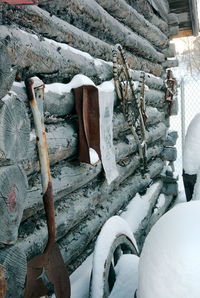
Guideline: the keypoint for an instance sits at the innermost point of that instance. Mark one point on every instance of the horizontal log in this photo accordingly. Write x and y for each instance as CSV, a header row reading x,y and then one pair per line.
x,y
144,8
173,31
161,7
50,59
59,98
89,18
7,74
173,19
170,51
68,216
43,23
155,98
14,128
170,63
62,140
120,125
130,17
67,178
13,190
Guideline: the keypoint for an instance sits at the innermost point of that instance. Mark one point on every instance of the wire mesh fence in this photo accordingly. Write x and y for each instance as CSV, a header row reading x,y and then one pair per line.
x,y
189,106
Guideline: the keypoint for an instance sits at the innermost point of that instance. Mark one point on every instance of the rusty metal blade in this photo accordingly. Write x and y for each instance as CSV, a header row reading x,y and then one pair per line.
x,y
57,273
87,108
2,282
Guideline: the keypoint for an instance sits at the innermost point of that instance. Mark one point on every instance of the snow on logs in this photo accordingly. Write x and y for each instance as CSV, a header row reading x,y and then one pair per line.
x,y
102,25
52,60
70,211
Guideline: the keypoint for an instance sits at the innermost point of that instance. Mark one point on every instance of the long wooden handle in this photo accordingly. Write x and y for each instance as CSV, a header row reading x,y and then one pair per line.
x,y
37,110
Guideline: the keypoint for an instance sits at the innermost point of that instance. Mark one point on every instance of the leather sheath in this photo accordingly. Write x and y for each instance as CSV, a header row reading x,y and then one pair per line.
x,y
87,108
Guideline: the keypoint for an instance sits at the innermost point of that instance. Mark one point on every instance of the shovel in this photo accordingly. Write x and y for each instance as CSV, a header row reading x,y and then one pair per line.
x,y
50,262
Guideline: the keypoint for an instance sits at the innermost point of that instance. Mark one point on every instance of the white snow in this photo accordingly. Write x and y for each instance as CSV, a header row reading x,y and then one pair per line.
x,y
94,157
169,262
77,81
126,277
191,156
113,227
138,207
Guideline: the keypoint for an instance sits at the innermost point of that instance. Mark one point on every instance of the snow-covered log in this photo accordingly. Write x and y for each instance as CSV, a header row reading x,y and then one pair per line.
x,y
130,17
144,8
93,18
43,23
14,129
59,98
52,60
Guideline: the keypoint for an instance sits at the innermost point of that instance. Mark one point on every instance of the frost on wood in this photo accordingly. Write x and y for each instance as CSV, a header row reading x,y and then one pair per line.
x,y
13,187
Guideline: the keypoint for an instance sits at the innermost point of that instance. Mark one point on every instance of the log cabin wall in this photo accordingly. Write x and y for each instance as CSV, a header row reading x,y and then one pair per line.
x,y
56,41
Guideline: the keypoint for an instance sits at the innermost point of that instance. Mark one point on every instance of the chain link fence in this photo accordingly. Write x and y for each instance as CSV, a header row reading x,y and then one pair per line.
x,y
189,106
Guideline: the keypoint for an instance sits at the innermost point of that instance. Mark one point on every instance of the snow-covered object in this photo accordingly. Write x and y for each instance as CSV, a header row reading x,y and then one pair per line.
x,y
169,264
94,157
77,81
106,106
113,227
191,156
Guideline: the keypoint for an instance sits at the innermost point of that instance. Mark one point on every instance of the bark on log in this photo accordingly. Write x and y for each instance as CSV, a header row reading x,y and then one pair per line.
x,y
50,59
7,75
130,17
155,98
161,7
13,190
144,8
52,27
14,128
67,216
92,18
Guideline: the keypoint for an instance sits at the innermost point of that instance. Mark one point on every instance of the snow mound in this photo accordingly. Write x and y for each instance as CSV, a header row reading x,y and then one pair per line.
x,y
169,265
111,229
191,156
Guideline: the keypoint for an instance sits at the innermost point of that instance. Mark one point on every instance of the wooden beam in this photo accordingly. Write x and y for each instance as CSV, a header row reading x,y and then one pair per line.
x,y
183,33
